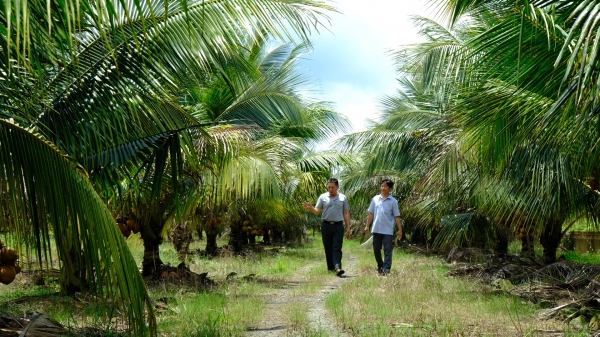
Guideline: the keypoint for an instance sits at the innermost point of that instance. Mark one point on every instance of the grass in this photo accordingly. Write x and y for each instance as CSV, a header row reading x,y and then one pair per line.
x,y
586,258
233,306
417,299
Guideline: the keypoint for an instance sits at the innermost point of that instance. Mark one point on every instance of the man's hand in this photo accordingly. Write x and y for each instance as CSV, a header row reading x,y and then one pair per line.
x,y
367,230
348,234
307,205
399,235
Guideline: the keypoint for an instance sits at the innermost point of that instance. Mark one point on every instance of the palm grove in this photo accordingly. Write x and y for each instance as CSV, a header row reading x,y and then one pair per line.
x,y
188,116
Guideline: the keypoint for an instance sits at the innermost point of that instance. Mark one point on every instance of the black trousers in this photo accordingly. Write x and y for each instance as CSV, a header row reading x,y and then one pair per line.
x,y
333,238
387,241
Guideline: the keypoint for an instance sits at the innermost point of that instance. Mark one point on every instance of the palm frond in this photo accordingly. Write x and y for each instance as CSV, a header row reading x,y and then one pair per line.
x,y
49,194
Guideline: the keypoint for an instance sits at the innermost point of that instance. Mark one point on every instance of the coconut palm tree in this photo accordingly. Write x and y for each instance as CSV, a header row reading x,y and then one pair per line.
x,y
91,85
530,120
271,124
495,95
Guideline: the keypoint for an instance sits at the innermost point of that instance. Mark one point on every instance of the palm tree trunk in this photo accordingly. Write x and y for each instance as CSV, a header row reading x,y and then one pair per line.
x,y
277,236
181,237
527,246
238,238
151,261
211,242
502,245
70,275
550,239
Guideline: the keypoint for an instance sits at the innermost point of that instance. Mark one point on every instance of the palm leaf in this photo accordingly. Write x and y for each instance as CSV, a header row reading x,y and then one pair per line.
x,y
45,189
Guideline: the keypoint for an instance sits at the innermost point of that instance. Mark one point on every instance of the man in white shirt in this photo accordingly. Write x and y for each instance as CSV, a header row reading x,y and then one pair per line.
x,y
336,210
383,212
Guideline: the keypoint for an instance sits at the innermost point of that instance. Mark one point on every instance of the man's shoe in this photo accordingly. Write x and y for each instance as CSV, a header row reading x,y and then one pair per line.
x,y
339,272
385,272
379,271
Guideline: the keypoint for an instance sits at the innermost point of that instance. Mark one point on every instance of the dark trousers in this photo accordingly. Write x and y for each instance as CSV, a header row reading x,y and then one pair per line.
x,y
387,241
333,237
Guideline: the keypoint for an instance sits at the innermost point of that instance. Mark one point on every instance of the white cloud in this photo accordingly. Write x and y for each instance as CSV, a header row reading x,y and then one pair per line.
x,y
352,61
355,102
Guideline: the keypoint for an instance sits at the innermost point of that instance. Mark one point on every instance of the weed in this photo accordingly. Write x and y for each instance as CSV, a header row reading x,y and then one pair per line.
x,y
586,258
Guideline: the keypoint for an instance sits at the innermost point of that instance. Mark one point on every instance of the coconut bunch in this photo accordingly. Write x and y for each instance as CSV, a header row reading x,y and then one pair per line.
x,y
524,228
9,264
128,226
252,229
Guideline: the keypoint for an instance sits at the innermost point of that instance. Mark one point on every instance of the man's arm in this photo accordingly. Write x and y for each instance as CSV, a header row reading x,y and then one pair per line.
x,y
310,207
369,222
399,224
347,220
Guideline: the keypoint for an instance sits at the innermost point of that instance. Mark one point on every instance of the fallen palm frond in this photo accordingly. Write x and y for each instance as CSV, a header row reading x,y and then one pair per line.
x,y
568,290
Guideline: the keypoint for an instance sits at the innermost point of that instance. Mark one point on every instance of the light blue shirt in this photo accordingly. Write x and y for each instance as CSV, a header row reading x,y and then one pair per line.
x,y
333,208
384,211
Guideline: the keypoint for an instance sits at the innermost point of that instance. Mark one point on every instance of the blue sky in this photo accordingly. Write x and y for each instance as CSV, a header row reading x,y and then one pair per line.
x,y
351,62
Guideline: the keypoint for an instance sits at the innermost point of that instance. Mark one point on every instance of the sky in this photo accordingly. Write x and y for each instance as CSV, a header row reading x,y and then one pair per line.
x,y
351,62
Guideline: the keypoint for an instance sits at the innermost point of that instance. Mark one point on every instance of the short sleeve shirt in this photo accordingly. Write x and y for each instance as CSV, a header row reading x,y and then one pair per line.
x,y
384,211
333,208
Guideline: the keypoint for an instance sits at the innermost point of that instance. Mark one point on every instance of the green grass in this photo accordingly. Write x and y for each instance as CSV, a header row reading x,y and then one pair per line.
x,y
587,258
418,300
225,312
233,306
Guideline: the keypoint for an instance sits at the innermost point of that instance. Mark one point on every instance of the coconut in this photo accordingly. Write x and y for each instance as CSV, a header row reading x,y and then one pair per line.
x,y
254,232
126,233
7,274
246,223
594,184
172,274
131,224
8,256
164,275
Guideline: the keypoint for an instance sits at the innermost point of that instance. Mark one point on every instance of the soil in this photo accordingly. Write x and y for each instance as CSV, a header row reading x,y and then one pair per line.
x,y
275,322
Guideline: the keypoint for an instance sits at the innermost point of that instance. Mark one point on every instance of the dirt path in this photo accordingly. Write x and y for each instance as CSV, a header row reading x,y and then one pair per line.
x,y
276,322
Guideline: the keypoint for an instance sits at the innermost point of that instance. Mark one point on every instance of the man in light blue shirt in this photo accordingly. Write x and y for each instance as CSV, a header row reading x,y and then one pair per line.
x,y
383,212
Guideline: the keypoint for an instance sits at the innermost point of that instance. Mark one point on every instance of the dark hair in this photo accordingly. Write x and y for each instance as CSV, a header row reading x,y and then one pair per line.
x,y
334,181
388,182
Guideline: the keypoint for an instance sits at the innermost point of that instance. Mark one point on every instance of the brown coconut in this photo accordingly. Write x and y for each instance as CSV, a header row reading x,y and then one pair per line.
x,y
7,274
131,224
594,184
8,256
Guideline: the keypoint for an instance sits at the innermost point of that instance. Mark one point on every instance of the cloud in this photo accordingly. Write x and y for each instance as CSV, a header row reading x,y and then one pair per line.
x,y
356,103
352,61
